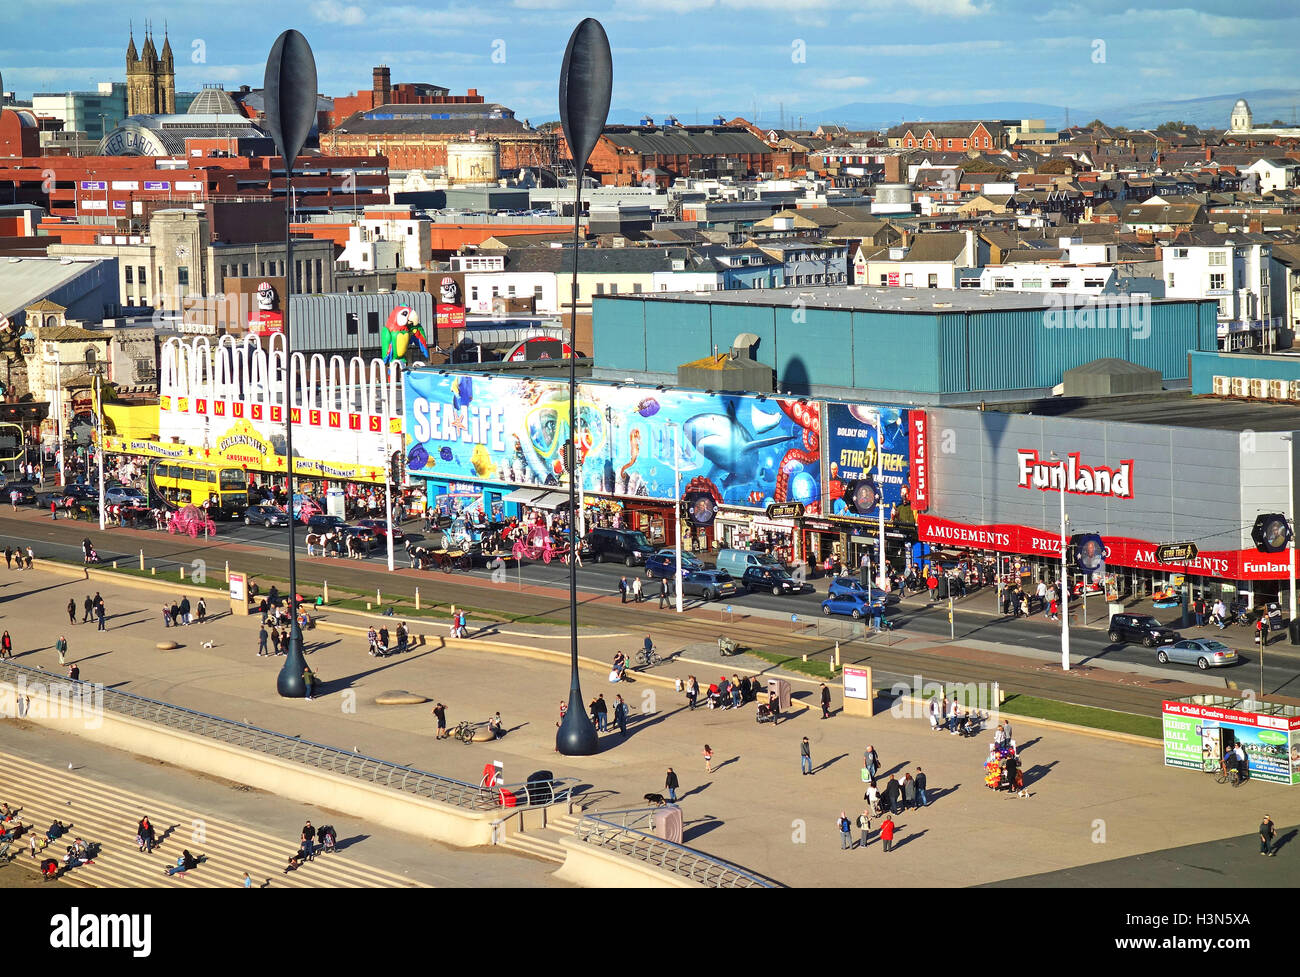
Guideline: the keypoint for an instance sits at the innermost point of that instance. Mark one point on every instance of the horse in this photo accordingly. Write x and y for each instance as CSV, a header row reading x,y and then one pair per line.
x,y
314,540
418,555
356,549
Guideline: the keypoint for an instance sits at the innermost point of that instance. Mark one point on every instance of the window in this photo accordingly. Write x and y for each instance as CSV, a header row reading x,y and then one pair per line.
x,y
182,275
1094,283
931,281
613,288
496,290
907,279
1217,259
141,276
510,291
1225,308
473,293
1171,279
353,323
372,323
1032,283
244,272
1216,281
127,269
537,291
1064,282
1180,252
1002,283
600,288
884,279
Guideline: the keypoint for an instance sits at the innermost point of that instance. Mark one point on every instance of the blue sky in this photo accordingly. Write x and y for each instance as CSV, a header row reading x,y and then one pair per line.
x,y
698,56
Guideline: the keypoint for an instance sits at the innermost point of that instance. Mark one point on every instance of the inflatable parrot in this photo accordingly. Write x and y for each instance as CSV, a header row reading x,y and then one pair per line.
x,y
402,333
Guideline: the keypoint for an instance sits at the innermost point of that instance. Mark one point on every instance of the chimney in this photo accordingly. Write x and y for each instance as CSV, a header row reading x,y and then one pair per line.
x,y
382,85
1209,154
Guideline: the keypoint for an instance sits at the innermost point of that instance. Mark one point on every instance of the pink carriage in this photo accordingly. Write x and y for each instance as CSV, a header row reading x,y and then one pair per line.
x,y
193,520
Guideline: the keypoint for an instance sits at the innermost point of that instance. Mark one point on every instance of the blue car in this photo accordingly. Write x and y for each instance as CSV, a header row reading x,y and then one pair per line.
x,y
852,587
850,606
660,564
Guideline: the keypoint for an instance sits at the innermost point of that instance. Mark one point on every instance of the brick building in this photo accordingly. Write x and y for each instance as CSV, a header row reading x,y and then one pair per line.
x,y
955,136
384,92
624,155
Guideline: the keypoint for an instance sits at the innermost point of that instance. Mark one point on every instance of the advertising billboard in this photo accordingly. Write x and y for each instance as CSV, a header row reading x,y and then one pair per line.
x,y
900,479
1196,736
512,431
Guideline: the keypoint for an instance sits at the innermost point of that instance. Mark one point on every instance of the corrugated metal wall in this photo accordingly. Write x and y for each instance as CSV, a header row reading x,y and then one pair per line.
x,y
319,322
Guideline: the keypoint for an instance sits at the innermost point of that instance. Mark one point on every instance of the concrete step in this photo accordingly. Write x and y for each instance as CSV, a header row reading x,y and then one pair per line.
x,y
542,844
563,823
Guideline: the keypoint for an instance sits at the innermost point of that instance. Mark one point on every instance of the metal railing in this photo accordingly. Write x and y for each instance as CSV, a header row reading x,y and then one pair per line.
x,y
332,759
620,832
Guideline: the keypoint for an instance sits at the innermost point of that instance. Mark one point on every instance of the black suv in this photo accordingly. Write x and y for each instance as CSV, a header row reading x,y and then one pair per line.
x,y
772,579
1141,628
324,524
627,546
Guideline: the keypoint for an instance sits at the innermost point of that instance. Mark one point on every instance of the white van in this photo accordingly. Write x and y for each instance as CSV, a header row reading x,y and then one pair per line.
x,y
736,562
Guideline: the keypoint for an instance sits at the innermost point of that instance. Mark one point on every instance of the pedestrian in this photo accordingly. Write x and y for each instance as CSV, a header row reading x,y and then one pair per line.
x,y
622,589
620,715
774,706
919,780
99,611
1266,834
72,611
805,757
440,713
1198,609
894,795
671,784
248,881
308,839
309,680
54,510
887,832
864,827
275,640
74,671
261,640
909,792
61,646
89,607
692,690
203,610
846,832
185,609
826,702
6,646
176,614
636,589
31,556
602,713
9,553
708,757
870,762
663,593
954,713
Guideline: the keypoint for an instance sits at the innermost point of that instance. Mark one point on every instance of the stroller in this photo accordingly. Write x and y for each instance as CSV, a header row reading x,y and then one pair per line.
x,y
327,836
764,713
970,725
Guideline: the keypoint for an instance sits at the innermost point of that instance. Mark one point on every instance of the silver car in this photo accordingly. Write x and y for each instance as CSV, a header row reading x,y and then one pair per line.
x,y
1201,652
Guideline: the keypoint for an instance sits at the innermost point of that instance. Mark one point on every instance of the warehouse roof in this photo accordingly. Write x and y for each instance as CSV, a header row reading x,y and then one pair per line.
x,y
858,297
1176,409
683,141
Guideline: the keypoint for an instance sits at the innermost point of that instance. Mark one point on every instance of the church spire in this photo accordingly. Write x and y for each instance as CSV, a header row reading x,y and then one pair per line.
x,y
131,55
166,49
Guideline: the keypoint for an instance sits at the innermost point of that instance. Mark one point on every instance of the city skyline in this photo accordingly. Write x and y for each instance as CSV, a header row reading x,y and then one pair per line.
x,y
793,60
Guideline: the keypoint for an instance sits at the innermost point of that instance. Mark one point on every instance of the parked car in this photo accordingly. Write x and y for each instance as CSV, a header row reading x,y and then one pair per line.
x,y
660,565
855,606
775,580
380,529
709,584
25,490
265,516
852,587
626,546
1141,628
363,534
1202,652
120,495
323,524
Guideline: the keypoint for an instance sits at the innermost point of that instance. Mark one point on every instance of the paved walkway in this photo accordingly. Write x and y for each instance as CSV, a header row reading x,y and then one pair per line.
x,y
755,809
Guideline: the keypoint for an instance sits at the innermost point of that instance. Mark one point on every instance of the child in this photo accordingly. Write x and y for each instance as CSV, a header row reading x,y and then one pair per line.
x,y
708,758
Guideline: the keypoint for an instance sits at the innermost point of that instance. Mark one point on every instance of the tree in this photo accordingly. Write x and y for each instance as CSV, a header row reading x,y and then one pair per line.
x,y
1095,124
1178,126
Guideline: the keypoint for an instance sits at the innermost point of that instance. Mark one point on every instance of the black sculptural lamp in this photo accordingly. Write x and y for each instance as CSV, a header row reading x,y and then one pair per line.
x,y
586,82
289,94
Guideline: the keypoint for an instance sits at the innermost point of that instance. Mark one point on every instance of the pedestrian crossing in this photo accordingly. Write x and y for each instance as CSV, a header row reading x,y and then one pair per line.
x,y
107,815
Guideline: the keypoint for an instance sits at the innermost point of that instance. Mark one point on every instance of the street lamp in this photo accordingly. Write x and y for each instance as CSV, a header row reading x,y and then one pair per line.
x,y
880,509
99,447
58,407
1290,508
1065,578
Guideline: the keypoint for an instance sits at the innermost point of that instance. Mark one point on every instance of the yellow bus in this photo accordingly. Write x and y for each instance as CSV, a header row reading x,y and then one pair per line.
x,y
183,483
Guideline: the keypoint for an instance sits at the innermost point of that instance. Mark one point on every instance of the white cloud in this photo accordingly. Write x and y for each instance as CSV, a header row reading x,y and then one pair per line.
x,y
333,12
842,84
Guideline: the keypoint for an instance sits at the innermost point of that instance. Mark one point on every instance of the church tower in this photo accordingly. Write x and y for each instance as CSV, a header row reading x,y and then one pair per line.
x,y
166,78
150,77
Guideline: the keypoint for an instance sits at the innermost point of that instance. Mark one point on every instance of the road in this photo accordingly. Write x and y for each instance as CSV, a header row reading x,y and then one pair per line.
x,y
757,620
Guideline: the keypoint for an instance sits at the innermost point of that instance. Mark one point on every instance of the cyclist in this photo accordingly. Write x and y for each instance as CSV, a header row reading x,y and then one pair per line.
x,y
649,649
1242,764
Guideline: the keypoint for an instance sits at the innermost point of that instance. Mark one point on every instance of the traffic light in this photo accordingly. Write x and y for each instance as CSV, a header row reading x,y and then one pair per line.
x,y
1087,551
861,496
1272,532
395,473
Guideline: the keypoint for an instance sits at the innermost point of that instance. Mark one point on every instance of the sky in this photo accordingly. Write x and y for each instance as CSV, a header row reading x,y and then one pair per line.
x,y
695,58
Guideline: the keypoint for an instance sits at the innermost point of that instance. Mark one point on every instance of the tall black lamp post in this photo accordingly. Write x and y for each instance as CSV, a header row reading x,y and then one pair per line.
x,y
289,93
586,81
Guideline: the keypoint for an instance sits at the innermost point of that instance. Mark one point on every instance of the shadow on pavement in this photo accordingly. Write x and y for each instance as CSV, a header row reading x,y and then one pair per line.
x,y
910,838
697,829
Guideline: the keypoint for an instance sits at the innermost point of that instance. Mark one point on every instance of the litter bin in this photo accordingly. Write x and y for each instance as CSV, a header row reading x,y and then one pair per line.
x,y
1293,629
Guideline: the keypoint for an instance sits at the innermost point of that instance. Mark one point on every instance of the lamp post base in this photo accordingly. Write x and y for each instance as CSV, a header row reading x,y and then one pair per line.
x,y
576,735
290,682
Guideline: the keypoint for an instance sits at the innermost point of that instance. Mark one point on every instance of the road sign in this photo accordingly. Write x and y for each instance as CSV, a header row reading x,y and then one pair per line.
x,y
1176,552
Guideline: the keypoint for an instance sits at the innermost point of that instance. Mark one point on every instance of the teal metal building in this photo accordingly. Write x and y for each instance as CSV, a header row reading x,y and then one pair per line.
x,y
923,346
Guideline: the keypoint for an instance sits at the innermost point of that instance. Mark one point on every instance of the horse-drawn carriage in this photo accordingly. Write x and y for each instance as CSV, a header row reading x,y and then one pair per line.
x,y
535,543
447,557
192,520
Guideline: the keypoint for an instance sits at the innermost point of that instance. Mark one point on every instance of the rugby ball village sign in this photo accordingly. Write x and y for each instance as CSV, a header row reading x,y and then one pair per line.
x,y
1080,479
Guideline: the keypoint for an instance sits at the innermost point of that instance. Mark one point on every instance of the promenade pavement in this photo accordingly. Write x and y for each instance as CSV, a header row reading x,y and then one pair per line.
x,y
1092,800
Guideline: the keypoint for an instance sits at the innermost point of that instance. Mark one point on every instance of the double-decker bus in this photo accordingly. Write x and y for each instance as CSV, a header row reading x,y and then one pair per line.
x,y
183,483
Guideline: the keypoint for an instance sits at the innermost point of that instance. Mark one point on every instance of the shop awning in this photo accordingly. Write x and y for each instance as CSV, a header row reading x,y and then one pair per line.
x,y
539,498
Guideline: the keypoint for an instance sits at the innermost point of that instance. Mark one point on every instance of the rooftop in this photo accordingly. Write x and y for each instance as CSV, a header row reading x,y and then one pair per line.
x,y
921,300
1175,409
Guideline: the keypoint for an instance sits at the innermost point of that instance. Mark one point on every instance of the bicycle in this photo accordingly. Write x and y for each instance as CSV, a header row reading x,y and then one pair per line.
x,y
464,732
1222,773
646,659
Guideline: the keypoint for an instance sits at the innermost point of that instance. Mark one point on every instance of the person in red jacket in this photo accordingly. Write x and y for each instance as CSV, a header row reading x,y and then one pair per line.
x,y
887,832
